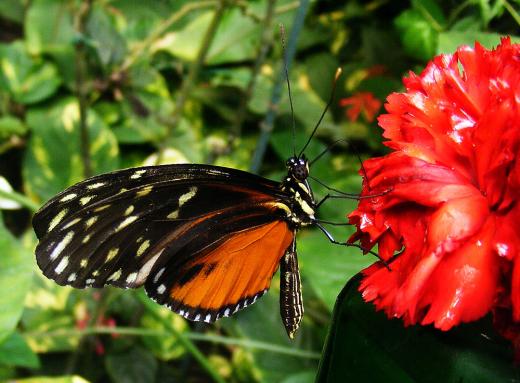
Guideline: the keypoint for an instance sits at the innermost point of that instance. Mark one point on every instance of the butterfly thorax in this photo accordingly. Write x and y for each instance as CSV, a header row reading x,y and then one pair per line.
x,y
296,184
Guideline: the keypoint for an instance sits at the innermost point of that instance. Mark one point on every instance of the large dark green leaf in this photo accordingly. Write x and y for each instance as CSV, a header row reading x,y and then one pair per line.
x,y
16,266
53,160
365,346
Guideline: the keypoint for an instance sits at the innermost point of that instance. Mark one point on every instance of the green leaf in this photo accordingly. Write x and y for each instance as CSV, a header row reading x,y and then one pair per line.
x,y
53,160
16,265
237,38
364,345
49,26
134,365
26,79
10,126
418,36
108,43
12,10
431,11
165,348
450,41
14,351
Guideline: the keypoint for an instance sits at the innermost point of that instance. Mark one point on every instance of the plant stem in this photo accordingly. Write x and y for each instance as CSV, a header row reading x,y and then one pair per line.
x,y
81,86
183,340
265,44
268,123
511,11
217,339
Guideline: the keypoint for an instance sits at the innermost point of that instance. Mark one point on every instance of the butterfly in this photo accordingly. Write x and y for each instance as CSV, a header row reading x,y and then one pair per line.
x,y
204,241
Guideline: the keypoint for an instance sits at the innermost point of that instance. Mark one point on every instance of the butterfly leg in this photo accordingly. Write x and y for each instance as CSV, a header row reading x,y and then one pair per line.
x,y
291,303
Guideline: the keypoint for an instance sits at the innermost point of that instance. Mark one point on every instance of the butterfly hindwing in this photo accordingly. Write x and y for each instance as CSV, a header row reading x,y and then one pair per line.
x,y
116,228
242,252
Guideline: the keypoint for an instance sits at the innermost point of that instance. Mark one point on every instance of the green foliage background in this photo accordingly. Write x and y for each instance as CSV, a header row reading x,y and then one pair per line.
x,y
173,81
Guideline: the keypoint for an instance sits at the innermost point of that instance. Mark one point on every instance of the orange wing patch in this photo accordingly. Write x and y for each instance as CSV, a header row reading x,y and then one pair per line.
x,y
232,275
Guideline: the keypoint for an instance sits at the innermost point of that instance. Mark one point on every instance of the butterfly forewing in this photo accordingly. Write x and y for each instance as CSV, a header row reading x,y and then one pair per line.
x,y
111,229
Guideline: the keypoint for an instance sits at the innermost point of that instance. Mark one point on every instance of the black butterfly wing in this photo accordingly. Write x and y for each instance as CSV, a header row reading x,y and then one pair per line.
x,y
158,225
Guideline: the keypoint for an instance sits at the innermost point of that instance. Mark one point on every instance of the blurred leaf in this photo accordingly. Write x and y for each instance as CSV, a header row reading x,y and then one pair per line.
x,y
450,41
262,322
236,39
10,126
5,203
134,365
49,26
431,11
418,36
61,379
14,351
165,348
108,43
12,10
16,265
364,345
53,160
27,80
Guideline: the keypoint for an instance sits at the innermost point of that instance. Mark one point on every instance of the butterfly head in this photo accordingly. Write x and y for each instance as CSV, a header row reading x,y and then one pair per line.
x,y
298,167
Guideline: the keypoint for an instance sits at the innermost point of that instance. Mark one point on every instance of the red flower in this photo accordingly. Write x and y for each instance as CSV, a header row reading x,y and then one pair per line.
x,y
361,102
452,203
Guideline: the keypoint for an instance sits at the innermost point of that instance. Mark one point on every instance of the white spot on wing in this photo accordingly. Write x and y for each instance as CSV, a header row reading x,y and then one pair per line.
x,y
71,223
84,200
161,289
197,317
83,263
138,174
144,271
158,275
111,254
142,248
96,185
68,197
90,281
131,278
173,215
61,245
115,276
71,277
144,191
187,196
226,312
57,219
208,318
129,210
91,221
127,221
61,266
86,238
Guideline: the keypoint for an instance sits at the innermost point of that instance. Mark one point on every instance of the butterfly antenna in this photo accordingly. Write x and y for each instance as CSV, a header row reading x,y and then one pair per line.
x,y
334,82
282,37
